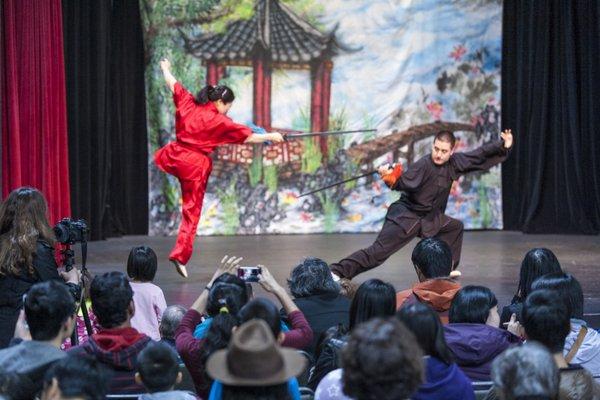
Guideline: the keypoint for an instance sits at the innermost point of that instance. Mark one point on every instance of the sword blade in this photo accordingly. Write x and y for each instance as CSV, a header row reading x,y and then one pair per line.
x,y
326,133
337,183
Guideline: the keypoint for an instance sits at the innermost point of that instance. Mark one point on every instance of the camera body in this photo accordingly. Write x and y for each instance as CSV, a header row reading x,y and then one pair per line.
x,y
249,274
68,231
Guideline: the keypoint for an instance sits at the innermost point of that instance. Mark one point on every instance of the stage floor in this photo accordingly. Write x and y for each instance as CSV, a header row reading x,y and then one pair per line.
x,y
490,258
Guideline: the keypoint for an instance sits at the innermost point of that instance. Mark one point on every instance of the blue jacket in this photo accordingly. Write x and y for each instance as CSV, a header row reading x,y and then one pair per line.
x,y
444,382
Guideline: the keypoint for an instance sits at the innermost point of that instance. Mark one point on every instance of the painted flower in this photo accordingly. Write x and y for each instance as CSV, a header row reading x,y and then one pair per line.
x,y
458,52
306,217
355,217
289,197
435,110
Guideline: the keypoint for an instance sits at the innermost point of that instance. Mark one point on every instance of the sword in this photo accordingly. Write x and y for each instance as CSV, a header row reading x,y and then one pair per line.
x,y
338,183
326,133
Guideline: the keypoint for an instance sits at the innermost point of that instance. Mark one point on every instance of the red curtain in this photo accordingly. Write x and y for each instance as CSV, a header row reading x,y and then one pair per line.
x,y
34,124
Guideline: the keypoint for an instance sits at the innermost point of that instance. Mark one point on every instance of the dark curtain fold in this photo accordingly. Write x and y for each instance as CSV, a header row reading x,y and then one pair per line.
x,y
550,98
107,119
34,122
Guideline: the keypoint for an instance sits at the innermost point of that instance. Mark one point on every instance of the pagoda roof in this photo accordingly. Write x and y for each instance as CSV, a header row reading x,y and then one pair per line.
x,y
275,29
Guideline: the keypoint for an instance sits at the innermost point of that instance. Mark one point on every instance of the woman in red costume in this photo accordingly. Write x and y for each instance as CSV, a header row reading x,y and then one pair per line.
x,y
201,124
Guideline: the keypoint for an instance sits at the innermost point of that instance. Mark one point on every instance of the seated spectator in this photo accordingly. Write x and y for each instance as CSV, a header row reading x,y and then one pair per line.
x,y
432,260
254,366
381,361
148,298
525,372
26,255
75,378
117,344
158,371
546,319
473,335
582,345
223,301
49,310
318,297
80,327
537,262
168,324
373,298
444,380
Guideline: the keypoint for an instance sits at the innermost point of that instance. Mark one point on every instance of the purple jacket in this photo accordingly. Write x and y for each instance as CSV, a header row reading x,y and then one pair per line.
x,y
475,346
444,382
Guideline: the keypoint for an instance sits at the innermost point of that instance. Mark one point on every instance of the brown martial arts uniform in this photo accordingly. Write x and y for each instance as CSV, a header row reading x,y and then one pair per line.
x,y
420,210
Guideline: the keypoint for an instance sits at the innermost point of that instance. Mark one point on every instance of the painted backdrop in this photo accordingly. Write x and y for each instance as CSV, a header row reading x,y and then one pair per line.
x,y
405,69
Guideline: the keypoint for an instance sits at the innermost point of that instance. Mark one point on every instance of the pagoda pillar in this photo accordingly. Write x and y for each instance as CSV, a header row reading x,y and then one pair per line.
x,y
261,107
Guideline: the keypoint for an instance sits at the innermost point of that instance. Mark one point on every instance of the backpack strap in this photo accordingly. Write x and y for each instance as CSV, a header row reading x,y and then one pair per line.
x,y
578,342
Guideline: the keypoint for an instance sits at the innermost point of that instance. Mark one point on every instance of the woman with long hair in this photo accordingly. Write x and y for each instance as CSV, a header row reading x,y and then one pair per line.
x,y
201,124
26,254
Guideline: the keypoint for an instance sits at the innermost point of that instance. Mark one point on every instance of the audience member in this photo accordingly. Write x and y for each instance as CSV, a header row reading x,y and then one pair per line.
x,y
254,366
525,372
221,300
148,298
546,319
117,344
381,361
26,255
473,335
158,371
75,378
444,380
432,260
582,345
318,297
80,326
168,324
49,309
537,262
373,298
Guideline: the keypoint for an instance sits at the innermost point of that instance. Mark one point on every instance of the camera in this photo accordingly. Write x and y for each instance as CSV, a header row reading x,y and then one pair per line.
x,y
68,231
249,274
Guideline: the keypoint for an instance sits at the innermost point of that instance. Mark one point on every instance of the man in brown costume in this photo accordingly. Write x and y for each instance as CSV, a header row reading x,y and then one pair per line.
x,y
425,188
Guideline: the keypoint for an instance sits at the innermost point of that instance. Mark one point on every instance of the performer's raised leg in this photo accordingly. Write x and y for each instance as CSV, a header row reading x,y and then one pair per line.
x,y
451,232
391,239
192,194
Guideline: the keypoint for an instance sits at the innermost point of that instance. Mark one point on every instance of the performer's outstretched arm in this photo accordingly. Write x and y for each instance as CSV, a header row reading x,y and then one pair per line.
x,y
165,66
483,157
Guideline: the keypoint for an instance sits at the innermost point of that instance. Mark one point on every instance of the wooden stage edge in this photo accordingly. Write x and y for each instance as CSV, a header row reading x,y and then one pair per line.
x,y
489,258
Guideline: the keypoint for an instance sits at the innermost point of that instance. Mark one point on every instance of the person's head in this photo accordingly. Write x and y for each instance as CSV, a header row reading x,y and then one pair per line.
x,y
527,371
75,378
381,361
312,277
141,264
112,299
474,305
264,309
432,258
170,320
235,280
537,262
545,318
224,303
374,298
221,96
425,324
23,220
567,287
442,147
254,366
49,311
158,367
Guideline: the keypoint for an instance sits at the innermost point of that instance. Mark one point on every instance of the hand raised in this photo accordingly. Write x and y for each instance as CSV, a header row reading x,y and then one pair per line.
x,y
507,136
165,64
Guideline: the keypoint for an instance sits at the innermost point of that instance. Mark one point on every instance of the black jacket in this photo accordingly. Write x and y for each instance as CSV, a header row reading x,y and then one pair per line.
x,y
12,289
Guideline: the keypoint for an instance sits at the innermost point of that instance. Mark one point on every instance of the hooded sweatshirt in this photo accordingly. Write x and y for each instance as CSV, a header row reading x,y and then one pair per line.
x,y
437,293
588,355
475,346
118,350
170,395
444,382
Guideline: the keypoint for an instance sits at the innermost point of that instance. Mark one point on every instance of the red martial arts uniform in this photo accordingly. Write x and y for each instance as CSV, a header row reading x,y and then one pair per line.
x,y
199,129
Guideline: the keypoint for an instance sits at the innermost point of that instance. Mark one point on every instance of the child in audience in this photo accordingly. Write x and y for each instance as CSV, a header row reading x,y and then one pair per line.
x,y
148,298
158,371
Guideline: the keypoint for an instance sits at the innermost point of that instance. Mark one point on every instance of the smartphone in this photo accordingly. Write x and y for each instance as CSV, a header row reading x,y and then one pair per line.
x,y
249,274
